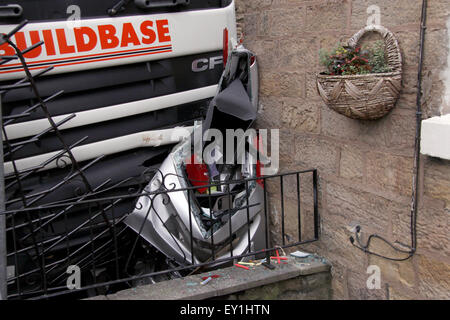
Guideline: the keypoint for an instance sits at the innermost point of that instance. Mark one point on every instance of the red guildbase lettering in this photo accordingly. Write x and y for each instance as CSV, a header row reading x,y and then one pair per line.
x,y
22,44
6,50
80,36
48,42
20,41
64,48
129,35
163,30
36,52
86,38
107,34
148,32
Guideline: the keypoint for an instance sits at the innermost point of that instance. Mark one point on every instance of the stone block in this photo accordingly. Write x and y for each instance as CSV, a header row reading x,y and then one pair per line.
x,y
432,88
327,15
287,3
291,220
287,23
300,115
296,54
306,187
434,278
357,287
436,43
335,243
436,180
371,133
392,272
401,130
256,5
409,43
400,293
253,24
339,281
354,205
286,84
294,289
315,152
389,172
266,54
432,230
438,10
393,13
407,101
352,163
432,227
268,113
286,149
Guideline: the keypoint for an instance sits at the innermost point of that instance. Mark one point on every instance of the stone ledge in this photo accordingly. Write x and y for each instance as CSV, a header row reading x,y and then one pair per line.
x,y
232,280
435,137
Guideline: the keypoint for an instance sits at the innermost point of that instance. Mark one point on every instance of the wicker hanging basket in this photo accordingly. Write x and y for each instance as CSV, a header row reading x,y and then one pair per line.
x,y
365,96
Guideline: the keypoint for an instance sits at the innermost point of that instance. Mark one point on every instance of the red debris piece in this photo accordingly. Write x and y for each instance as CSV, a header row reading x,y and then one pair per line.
x,y
278,258
241,266
213,277
197,174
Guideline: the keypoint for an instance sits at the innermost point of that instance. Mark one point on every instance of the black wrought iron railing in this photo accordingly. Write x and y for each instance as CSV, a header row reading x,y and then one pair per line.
x,y
108,252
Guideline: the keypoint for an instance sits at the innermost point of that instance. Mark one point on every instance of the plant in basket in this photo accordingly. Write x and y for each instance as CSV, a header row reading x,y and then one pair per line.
x,y
345,60
362,82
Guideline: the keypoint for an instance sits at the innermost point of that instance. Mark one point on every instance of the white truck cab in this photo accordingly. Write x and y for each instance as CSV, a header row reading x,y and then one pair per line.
x,y
119,79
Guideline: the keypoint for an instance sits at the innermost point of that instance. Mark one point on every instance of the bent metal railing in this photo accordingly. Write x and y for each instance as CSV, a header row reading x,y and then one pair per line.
x,y
112,246
42,240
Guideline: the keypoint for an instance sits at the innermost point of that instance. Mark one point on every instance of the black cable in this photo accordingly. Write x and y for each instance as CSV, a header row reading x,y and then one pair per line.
x,y
414,197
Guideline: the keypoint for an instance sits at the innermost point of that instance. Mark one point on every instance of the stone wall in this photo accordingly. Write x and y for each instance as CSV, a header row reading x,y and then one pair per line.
x,y
311,287
446,77
365,168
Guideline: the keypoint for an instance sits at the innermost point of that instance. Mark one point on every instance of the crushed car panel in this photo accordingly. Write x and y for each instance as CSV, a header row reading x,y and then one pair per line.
x,y
208,216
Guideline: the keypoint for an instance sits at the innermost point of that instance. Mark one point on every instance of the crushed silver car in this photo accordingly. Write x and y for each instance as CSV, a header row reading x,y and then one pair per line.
x,y
195,213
